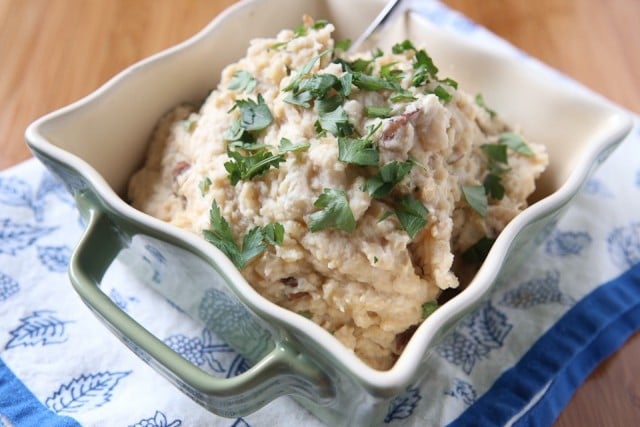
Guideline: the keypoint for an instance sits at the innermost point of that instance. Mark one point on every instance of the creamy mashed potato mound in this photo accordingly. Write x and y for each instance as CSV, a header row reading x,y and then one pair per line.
x,y
368,286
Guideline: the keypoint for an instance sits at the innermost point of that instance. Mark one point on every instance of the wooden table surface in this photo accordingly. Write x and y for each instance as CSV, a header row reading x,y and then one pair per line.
x,y
53,52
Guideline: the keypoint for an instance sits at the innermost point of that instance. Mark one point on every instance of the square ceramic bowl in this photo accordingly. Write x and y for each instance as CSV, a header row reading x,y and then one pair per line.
x,y
95,144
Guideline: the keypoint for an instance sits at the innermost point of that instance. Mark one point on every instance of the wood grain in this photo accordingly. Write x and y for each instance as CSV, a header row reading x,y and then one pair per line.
x,y
53,52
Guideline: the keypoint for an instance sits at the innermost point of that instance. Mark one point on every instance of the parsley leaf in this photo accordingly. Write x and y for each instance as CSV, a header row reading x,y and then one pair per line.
x,y
273,233
287,146
480,102
343,45
388,176
253,243
412,215
246,167
476,198
442,93
371,83
428,308
254,116
424,68
242,80
304,71
357,151
515,142
335,212
493,186
495,152
478,251
335,122
378,112
204,185
402,47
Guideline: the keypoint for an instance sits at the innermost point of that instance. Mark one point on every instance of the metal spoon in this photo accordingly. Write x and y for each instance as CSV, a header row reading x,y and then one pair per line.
x,y
391,10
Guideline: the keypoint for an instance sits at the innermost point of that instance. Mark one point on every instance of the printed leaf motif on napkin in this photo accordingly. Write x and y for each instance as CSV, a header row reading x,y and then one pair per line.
x,y
238,366
597,188
564,243
464,391
624,245
158,420
541,290
8,286
55,258
475,337
15,236
17,192
40,328
403,405
240,422
87,391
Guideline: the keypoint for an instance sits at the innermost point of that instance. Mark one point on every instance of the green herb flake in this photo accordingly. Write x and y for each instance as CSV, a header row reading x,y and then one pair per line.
x,y
381,184
221,236
480,103
254,115
515,143
335,212
476,198
360,152
304,71
243,81
495,152
402,47
242,167
319,24
424,68
378,112
371,83
343,45
412,215
287,146
335,122
478,251
493,186
442,93
428,308
273,233
204,185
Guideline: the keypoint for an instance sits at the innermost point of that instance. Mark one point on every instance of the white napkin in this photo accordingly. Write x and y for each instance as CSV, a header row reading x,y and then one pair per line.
x,y
520,355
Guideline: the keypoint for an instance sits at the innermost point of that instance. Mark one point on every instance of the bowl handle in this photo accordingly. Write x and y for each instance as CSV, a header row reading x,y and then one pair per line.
x,y
282,371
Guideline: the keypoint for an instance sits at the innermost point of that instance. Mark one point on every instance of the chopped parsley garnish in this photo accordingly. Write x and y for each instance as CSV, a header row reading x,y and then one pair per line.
x,y
402,47
343,45
336,122
378,112
428,308
371,83
204,185
335,212
515,143
492,184
243,81
381,184
424,68
304,71
442,93
478,251
288,146
253,243
480,102
245,167
497,158
254,115
412,215
476,197
319,24
359,151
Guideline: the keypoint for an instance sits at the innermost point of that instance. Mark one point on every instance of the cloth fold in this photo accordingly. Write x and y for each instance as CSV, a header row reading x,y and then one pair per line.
x,y
516,360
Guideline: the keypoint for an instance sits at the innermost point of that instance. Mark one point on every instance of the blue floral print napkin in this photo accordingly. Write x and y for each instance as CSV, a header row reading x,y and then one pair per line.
x,y
516,360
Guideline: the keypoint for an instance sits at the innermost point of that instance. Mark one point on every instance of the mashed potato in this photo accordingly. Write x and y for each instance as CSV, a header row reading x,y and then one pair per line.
x,y
378,172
